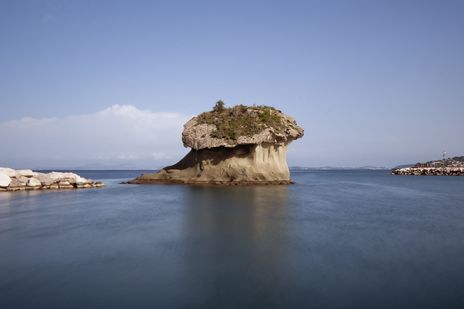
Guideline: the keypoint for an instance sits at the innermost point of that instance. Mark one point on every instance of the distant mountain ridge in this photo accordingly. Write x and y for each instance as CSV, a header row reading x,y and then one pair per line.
x,y
305,168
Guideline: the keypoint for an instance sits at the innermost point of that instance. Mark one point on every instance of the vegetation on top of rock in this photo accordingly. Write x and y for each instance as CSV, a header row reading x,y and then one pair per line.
x,y
219,106
241,120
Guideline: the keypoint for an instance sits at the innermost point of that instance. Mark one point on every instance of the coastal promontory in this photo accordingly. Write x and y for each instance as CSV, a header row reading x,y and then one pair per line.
x,y
230,146
446,167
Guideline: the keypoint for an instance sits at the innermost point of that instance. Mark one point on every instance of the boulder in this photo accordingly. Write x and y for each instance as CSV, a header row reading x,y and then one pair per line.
x,y
44,179
98,184
69,177
65,185
8,171
34,182
25,173
81,180
5,180
23,179
17,183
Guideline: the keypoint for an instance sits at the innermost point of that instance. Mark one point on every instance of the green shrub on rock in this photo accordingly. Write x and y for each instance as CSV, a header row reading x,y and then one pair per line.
x,y
241,120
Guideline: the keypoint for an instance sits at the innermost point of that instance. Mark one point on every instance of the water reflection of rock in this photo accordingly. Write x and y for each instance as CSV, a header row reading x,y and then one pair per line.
x,y
236,239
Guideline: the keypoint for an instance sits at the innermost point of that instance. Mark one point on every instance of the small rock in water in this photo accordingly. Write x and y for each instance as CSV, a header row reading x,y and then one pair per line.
x,y
99,184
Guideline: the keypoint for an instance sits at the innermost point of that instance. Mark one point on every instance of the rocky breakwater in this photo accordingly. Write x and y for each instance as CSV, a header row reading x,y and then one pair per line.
x,y
429,171
21,180
232,146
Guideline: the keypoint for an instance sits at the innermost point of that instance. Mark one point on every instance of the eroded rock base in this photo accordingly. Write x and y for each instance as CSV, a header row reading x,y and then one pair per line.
x,y
241,165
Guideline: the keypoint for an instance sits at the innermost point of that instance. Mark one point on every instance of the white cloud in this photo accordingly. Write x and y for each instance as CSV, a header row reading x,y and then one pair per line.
x,y
121,136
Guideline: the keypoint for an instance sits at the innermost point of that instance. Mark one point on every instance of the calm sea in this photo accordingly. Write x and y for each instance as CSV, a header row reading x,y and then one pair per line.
x,y
335,239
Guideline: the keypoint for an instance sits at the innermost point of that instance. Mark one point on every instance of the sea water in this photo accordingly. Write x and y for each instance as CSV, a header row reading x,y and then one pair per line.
x,y
335,239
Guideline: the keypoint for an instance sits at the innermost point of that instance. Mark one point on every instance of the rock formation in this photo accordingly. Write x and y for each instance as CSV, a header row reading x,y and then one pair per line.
x,y
20,180
229,146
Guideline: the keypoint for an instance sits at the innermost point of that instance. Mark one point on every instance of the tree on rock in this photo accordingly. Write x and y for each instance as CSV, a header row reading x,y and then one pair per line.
x,y
219,106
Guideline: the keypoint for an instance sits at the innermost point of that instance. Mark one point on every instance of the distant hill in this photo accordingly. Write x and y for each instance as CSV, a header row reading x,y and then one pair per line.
x,y
302,168
449,162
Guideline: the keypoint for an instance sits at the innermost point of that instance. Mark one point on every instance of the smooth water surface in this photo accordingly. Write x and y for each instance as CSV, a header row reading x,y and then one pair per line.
x,y
335,239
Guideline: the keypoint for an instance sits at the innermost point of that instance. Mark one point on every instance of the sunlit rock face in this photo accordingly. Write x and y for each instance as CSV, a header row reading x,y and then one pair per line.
x,y
232,146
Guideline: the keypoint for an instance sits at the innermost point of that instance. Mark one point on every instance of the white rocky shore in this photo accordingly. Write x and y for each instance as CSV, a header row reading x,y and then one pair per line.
x,y
20,180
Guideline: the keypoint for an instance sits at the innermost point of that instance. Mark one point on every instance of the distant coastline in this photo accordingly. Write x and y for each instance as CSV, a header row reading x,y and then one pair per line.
x,y
446,167
337,168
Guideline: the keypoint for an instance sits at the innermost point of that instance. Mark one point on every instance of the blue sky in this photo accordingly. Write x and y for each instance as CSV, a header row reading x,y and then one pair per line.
x,y
372,82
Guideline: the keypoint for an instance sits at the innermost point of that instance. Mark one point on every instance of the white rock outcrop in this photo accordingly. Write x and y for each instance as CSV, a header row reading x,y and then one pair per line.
x,y
25,173
5,180
8,171
21,180
44,179
33,182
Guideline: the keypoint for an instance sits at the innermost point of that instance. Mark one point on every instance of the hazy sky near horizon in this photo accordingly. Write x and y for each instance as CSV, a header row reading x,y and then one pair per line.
x,y
110,83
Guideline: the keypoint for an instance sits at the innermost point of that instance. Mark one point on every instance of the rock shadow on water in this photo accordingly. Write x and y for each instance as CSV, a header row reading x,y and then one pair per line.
x,y
236,245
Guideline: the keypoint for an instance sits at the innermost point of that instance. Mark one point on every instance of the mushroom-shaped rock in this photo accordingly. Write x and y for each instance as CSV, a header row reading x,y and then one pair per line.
x,y
237,145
